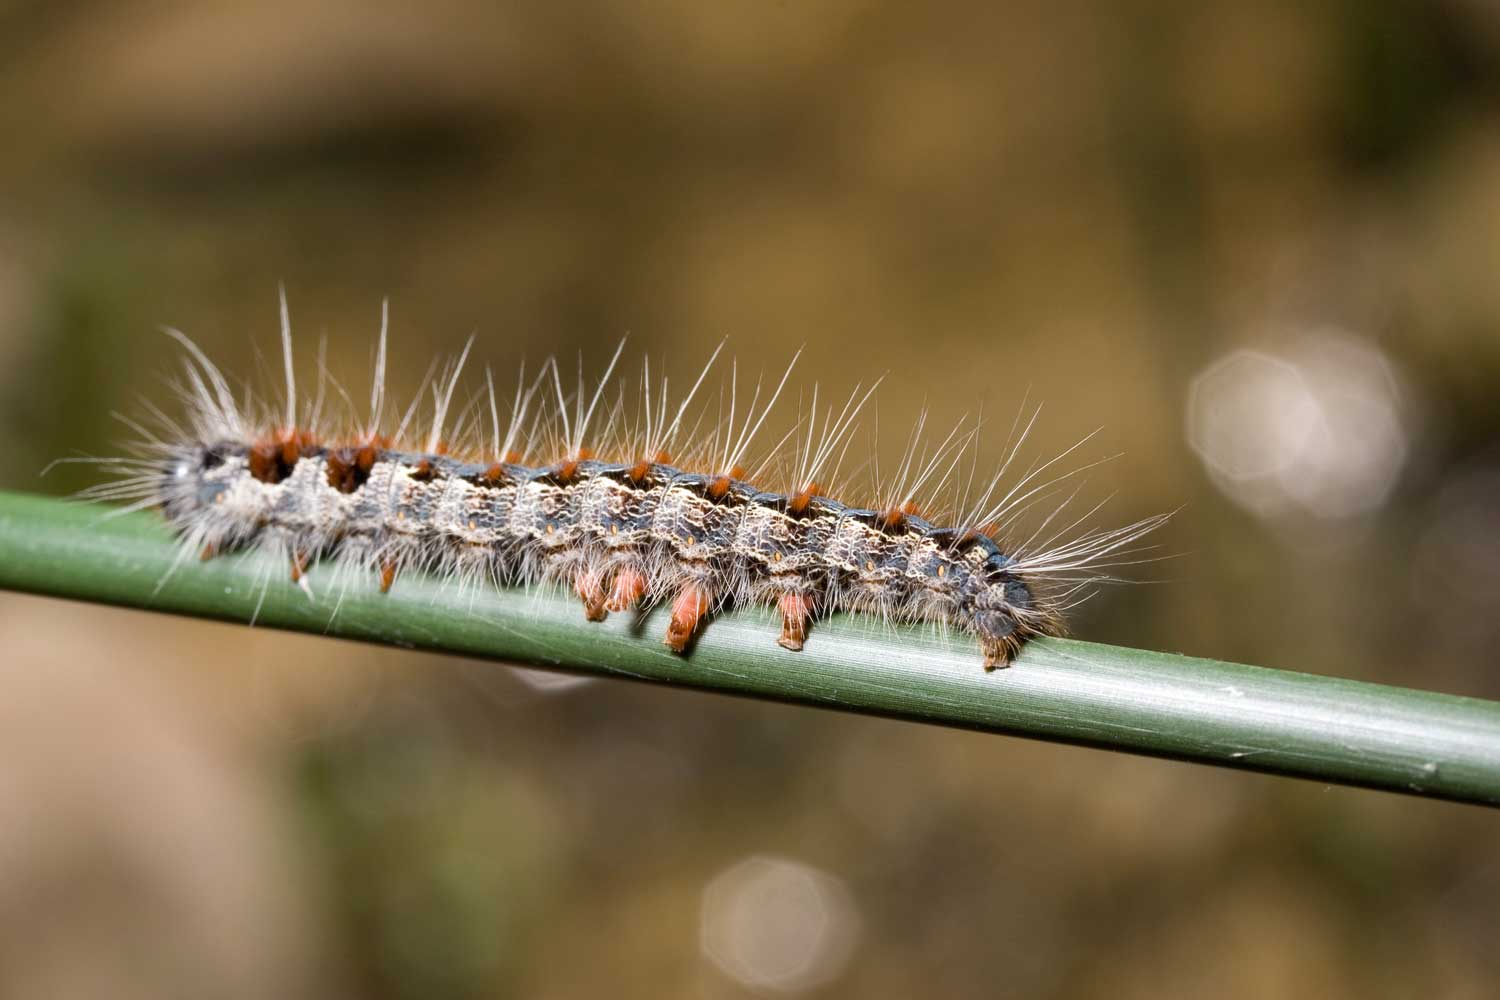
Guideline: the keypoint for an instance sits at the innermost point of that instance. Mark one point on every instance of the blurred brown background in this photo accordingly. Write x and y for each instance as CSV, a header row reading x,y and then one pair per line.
x,y
1256,242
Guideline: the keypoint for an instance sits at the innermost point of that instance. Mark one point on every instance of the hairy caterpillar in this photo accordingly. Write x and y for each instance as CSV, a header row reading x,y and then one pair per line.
x,y
635,523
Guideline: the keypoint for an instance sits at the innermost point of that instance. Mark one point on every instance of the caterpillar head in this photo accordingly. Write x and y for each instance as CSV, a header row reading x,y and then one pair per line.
x,y
194,478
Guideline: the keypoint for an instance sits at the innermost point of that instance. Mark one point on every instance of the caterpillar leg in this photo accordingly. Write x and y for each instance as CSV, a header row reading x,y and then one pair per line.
x,y
796,609
1001,635
300,560
589,583
688,609
629,587
998,652
387,575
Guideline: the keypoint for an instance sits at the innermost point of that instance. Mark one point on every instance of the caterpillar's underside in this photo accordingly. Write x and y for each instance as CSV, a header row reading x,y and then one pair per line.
x,y
632,531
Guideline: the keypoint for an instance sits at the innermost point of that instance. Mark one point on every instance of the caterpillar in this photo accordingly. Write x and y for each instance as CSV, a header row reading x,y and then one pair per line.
x,y
628,525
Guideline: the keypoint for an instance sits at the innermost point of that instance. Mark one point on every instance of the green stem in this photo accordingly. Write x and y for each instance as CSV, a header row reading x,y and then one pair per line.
x,y
1207,711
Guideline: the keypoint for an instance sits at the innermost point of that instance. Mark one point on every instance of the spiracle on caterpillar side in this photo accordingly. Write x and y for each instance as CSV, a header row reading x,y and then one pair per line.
x,y
629,513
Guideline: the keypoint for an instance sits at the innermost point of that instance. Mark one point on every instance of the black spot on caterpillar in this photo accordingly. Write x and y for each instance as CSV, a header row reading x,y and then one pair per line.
x,y
632,524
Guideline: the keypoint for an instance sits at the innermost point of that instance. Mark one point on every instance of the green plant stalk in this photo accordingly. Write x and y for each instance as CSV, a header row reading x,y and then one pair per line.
x,y
1322,728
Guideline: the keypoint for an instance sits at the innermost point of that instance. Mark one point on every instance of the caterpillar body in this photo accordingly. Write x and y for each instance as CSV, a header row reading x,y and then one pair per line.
x,y
627,527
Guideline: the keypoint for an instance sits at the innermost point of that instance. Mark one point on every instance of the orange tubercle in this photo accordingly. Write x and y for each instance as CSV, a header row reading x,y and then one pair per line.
x,y
292,442
720,484
991,530
803,498
347,468
264,462
569,468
